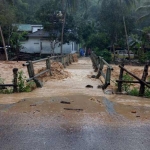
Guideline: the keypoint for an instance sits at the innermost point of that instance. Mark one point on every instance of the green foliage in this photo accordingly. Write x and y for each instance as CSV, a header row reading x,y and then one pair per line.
x,y
143,12
141,56
103,53
22,85
147,92
146,30
51,16
1,80
148,56
99,40
127,86
5,90
130,89
134,92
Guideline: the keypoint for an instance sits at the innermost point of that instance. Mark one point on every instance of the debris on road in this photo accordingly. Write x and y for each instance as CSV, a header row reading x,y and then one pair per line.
x,y
95,100
133,111
73,109
89,86
64,102
99,86
137,116
33,105
93,76
92,99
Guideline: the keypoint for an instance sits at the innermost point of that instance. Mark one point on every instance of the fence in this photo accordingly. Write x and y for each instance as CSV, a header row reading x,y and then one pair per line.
x,y
64,59
14,85
98,64
141,81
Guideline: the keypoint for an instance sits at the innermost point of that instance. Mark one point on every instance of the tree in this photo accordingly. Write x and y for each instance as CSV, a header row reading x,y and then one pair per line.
x,y
50,15
6,19
145,11
124,6
98,40
69,6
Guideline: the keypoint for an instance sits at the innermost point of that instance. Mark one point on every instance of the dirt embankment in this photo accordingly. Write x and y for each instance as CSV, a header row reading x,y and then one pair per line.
x,y
57,70
136,70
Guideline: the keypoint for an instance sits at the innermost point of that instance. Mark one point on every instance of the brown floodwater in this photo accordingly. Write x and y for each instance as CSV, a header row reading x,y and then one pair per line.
x,y
75,85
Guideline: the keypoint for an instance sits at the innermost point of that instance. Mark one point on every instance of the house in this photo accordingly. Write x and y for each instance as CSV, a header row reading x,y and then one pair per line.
x,y
38,42
28,27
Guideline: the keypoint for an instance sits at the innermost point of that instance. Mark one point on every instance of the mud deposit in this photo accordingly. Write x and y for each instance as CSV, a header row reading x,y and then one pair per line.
x,y
43,123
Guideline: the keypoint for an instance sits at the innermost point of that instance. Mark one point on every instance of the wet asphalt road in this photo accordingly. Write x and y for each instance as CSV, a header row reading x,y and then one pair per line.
x,y
87,138
44,124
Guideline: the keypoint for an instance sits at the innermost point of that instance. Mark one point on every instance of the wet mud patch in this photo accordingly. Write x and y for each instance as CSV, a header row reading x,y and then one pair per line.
x,y
125,113
73,108
56,104
138,113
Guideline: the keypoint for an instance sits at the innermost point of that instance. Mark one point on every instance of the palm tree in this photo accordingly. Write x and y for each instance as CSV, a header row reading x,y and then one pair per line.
x,y
145,10
69,6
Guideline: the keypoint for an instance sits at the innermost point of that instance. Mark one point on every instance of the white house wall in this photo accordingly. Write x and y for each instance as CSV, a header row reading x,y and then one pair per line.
x,y
36,28
31,46
34,45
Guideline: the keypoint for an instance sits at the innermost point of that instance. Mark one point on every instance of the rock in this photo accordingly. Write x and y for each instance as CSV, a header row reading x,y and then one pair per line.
x,y
89,86
137,116
99,86
64,102
93,76
133,111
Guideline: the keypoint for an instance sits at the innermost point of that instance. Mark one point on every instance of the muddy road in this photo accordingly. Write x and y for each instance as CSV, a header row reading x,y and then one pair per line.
x,y
64,115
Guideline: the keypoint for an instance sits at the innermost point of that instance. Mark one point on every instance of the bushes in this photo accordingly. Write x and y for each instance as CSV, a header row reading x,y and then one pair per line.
x,y
23,86
99,40
104,53
130,89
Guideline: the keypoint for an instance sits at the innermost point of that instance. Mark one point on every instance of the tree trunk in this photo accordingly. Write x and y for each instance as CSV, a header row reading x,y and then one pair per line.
x,y
62,32
4,46
113,46
126,37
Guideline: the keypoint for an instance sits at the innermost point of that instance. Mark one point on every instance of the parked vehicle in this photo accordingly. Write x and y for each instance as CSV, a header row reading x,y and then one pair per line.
x,y
123,54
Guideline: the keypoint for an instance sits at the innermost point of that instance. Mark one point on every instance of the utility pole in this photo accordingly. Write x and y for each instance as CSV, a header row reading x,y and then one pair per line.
x,y
4,46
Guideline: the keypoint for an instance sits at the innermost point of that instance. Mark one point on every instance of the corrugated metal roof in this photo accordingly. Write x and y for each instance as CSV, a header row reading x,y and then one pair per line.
x,y
26,27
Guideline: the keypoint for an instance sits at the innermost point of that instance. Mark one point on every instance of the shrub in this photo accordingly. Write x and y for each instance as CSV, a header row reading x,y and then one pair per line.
x,y
103,53
23,86
134,92
127,86
99,40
